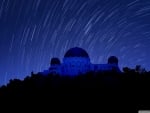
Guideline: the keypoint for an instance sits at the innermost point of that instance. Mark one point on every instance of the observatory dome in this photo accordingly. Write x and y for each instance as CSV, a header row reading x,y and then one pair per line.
x,y
113,60
55,61
76,52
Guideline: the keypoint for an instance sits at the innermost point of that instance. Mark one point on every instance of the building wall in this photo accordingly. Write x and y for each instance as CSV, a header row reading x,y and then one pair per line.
x,y
55,69
76,65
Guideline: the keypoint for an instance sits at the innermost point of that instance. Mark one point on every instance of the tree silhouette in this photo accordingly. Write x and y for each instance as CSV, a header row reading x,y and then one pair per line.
x,y
112,85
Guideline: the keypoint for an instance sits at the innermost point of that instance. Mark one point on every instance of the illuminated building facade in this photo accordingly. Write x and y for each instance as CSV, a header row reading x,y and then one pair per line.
x,y
76,61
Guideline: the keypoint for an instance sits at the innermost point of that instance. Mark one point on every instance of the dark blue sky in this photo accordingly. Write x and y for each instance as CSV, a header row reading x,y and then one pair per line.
x,y
34,31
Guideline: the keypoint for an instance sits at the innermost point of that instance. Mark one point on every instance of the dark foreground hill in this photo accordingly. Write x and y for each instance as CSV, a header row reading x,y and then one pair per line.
x,y
118,90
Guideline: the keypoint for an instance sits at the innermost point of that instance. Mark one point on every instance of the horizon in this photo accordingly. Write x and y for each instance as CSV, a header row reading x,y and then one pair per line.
x,y
36,72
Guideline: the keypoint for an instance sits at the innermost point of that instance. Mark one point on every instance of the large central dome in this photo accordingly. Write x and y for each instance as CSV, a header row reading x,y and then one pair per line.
x,y
76,52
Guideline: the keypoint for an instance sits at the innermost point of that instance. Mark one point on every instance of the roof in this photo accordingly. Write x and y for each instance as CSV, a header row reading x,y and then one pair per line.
x,y
76,52
55,61
112,60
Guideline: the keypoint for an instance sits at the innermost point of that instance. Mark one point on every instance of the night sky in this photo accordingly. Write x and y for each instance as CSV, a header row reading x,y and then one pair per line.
x,y
34,31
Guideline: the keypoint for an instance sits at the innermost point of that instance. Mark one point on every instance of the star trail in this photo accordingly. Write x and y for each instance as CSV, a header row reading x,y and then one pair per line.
x,y
34,31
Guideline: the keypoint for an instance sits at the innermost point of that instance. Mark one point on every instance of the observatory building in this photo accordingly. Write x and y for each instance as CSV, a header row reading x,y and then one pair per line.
x,y
76,61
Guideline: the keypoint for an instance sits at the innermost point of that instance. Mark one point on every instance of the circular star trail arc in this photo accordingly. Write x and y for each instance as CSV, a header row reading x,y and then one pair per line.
x,y
34,31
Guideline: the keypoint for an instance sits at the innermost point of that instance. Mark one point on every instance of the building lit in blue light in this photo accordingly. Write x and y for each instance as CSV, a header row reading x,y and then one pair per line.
x,y
76,61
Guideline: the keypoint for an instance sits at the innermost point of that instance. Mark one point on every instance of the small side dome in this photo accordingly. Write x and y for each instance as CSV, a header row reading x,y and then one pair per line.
x,y
76,52
55,61
113,60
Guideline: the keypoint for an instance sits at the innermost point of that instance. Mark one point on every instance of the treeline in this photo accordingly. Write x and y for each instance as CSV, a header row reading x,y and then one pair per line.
x,y
132,86
113,80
